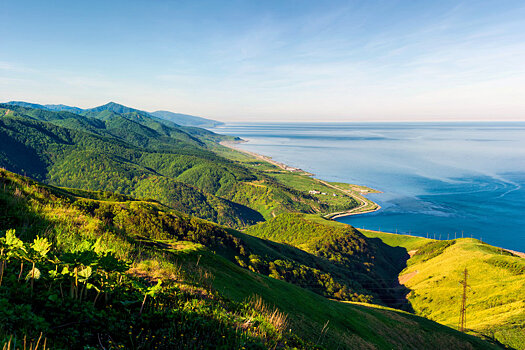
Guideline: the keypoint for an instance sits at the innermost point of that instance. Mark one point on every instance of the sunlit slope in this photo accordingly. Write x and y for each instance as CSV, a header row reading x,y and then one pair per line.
x,y
349,326
368,262
194,255
496,280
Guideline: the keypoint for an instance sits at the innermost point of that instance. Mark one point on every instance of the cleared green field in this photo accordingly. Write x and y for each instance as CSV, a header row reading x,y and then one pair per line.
x,y
395,240
356,188
305,184
496,279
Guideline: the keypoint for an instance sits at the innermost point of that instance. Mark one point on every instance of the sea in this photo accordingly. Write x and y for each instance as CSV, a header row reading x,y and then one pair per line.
x,y
438,180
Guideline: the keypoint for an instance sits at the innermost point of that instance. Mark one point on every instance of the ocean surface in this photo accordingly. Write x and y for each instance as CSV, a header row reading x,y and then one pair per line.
x,y
438,179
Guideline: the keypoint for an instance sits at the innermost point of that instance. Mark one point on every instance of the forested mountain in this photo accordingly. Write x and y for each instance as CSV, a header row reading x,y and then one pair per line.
x,y
177,118
61,107
186,119
137,274
123,150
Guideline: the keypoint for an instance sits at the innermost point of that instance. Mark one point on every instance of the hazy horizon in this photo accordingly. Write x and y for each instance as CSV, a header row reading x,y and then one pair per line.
x,y
343,61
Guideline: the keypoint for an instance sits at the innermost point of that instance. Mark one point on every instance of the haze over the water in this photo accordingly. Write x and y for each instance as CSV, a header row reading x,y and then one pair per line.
x,y
271,60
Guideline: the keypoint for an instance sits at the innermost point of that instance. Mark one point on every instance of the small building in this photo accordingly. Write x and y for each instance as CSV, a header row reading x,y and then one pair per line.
x,y
314,192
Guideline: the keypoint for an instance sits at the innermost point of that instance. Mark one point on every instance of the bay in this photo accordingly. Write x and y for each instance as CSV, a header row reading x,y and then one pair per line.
x,y
443,180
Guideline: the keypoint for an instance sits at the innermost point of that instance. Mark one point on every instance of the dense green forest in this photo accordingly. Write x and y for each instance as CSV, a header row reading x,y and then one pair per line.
x,y
123,150
137,274
345,251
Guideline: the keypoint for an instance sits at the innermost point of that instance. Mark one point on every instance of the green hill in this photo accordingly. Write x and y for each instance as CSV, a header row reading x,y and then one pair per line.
x,y
26,104
136,154
64,108
348,253
135,274
496,279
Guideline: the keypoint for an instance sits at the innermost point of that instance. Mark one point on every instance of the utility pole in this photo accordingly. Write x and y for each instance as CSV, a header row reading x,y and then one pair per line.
x,y
462,311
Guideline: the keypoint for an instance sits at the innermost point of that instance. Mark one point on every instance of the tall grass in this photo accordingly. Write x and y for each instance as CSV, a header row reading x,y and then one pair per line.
x,y
273,315
26,344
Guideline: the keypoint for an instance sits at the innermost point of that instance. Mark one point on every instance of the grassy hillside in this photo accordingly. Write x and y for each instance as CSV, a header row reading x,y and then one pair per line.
x,y
410,243
496,279
347,252
101,256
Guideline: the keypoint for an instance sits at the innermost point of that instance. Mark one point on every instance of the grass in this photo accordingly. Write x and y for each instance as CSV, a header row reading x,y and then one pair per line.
x,y
214,296
496,279
395,240
350,326
347,196
495,303
306,183
355,188
190,307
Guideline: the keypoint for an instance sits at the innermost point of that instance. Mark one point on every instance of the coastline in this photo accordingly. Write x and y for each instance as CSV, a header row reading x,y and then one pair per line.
x,y
231,145
364,202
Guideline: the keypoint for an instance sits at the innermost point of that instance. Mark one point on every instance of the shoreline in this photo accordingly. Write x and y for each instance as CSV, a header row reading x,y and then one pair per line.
x,y
332,216
364,202
268,159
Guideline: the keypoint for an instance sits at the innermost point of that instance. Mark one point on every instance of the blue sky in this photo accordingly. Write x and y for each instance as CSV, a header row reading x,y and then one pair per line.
x,y
271,60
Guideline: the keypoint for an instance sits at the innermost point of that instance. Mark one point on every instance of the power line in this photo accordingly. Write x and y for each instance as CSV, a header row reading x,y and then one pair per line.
x,y
462,311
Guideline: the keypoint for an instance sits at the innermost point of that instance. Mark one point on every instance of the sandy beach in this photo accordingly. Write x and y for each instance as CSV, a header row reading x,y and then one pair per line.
x,y
231,144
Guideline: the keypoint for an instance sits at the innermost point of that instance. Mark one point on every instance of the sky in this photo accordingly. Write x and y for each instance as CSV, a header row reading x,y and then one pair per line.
x,y
251,61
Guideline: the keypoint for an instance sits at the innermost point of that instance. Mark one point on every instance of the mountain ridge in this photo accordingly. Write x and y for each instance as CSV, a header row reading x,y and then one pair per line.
x,y
176,118
186,119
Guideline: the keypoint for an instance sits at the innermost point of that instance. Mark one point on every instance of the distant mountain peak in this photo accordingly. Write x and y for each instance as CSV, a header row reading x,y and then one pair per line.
x,y
186,119
115,107
26,104
62,107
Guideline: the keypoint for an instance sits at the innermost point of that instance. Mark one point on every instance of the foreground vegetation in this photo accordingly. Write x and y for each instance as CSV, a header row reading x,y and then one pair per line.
x,y
143,276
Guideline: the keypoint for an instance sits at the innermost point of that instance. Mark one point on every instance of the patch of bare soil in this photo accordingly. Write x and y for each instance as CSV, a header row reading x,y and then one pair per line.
x,y
404,278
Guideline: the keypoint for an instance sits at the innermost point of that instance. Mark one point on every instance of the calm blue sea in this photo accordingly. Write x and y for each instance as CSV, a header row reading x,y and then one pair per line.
x,y
437,178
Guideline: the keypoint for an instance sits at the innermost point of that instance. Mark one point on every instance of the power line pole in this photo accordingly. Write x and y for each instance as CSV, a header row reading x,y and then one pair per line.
x,y
462,311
